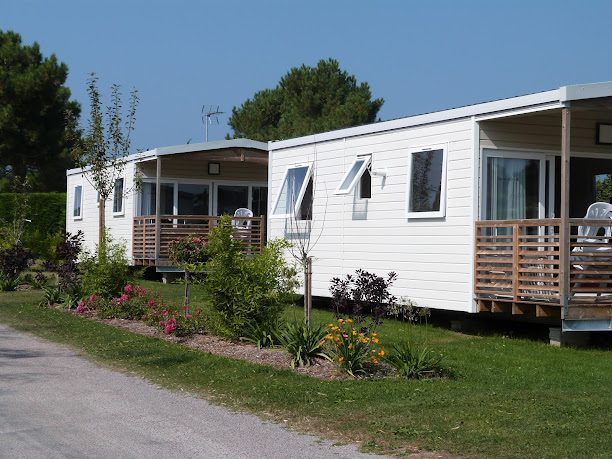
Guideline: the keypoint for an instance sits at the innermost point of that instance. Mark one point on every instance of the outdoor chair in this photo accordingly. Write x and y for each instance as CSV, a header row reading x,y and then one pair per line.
x,y
590,234
244,223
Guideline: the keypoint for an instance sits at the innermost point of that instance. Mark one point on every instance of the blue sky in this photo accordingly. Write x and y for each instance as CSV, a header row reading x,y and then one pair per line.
x,y
419,56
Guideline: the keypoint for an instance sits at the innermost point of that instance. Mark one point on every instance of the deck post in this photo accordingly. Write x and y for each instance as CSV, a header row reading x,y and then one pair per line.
x,y
157,209
516,236
564,229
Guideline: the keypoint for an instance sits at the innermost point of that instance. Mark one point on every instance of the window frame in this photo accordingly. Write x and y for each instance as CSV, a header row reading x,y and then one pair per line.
x,y
298,202
358,175
80,215
121,211
441,212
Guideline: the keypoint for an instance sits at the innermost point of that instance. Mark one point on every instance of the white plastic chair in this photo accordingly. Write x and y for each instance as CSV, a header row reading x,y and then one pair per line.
x,y
245,213
596,211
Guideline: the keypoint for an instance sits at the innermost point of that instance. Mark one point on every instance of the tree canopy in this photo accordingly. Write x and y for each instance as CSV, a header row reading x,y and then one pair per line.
x,y
37,117
307,100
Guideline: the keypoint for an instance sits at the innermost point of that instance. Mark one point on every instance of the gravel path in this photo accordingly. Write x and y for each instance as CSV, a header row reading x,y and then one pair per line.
x,y
55,404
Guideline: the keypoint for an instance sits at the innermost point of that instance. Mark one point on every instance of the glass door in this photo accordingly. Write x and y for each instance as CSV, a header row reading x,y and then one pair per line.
x,y
517,186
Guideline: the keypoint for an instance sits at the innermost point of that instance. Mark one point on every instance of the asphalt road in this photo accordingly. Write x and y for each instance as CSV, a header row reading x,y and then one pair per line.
x,y
55,404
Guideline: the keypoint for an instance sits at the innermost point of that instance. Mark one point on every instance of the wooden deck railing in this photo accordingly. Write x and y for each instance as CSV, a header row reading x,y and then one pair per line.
x,y
518,261
173,227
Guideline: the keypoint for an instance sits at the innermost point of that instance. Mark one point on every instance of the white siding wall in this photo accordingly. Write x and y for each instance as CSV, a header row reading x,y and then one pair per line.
x,y
119,226
433,257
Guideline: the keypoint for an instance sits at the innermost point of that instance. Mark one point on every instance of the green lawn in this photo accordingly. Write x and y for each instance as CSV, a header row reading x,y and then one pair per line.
x,y
513,398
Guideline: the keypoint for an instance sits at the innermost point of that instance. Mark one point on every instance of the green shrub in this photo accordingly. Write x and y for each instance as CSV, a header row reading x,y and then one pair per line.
x,y
417,361
106,277
304,344
246,290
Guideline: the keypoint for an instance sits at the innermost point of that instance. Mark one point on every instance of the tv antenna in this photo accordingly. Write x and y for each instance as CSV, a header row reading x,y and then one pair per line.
x,y
209,114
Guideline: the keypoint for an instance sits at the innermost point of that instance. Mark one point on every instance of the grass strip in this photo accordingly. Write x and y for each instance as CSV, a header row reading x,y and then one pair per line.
x,y
514,398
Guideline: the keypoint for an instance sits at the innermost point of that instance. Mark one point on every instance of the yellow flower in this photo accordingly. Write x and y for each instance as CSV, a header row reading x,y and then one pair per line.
x,y
373,351
349,321
329,336
350,346
365,340
375,362
345,335
354,333
375,340
340,359
330,325
340,321
374,334
381,352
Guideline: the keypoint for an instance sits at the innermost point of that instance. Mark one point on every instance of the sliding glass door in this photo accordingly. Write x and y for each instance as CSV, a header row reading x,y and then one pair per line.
x,y
517,186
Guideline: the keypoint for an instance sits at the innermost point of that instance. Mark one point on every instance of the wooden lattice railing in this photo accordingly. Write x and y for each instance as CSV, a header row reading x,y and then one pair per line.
x,y
249,230
519,260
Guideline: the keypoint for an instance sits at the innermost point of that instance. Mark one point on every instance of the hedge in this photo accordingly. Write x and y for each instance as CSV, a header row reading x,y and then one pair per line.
x,y
48,219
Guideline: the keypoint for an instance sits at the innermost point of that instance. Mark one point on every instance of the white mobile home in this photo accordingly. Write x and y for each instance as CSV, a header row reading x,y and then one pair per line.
x,y
478,208
185,189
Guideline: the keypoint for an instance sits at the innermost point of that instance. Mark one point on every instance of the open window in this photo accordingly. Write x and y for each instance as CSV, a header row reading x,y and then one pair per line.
x,y
357,173
118,197
77,208
295,196
427,183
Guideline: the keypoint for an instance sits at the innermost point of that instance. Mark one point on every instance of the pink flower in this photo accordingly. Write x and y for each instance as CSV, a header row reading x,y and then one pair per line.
x,y
161,323
141,291
151,303
128,288
188,316
93,298
170,326
123,298
81,307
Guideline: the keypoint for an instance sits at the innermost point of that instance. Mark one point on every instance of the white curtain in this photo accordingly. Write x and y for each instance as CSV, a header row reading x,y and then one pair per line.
x,y
507,179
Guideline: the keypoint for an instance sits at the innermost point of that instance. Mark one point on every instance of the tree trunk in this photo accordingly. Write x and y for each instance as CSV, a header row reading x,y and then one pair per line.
x,y
101,229
186,304
307,290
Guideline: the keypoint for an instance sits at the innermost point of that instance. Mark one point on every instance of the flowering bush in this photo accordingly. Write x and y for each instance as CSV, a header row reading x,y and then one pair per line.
x,y
132,303
173,319
189,252
351,348
87,304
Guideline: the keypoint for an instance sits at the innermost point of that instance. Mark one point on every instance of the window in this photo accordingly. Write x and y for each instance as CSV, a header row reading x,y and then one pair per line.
x,y
231,197
147,199
365,185
260,200
193,199
78,201
118,197
426,183
295,196
354,175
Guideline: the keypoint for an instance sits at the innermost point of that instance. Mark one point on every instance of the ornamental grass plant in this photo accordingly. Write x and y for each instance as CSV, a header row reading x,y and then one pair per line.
x,y
303,343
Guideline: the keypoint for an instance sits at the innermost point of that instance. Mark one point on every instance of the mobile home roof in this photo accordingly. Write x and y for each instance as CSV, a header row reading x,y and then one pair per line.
x,y
555,98
188,148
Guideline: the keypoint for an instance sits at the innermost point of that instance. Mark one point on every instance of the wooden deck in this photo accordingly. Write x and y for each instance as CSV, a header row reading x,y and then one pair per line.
x,y
518,270
172,227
